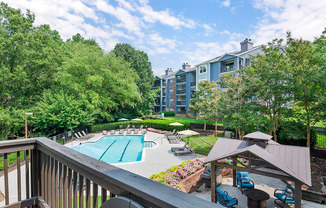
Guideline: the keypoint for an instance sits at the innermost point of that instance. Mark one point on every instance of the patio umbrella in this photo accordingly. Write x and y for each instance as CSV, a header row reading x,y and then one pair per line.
x,y
123,119
176,124
137,119
188,133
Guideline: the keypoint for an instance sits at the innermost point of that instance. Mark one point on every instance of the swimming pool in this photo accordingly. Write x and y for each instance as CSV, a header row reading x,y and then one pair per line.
x,y
114,149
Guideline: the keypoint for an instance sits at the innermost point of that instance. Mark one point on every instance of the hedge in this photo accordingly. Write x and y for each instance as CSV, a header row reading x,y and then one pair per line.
x,y
151,123
167,113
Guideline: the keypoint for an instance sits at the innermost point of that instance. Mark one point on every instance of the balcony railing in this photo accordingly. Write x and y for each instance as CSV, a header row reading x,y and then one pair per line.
x,y
164,94
58,176
227,68
192,84
181,80
181,102
181,91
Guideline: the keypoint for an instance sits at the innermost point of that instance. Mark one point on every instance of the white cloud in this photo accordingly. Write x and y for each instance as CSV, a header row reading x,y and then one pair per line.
x,y
304,18
207,50
226,3
164,17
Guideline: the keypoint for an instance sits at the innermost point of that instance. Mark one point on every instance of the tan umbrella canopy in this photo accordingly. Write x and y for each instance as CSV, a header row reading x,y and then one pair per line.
x,y
137,119
188,132
176,124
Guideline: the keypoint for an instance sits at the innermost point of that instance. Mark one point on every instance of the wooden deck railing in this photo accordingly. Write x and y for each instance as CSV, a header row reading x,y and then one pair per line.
x,y
61,177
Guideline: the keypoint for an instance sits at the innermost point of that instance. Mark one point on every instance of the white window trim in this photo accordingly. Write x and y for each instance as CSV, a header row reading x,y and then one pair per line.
x,y
205,68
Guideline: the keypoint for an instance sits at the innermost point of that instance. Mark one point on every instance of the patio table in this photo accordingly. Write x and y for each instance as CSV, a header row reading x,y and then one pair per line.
x,y
256,198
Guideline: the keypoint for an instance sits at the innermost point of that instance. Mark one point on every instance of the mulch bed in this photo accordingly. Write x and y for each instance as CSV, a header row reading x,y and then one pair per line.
x,y
318,168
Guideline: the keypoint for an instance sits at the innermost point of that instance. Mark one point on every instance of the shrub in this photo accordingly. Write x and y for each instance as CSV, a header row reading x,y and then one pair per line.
x,y
295,133
175,174
167,113
151,123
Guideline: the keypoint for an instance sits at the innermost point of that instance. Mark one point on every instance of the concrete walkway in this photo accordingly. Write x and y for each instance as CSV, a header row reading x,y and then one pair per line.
x,y
264,183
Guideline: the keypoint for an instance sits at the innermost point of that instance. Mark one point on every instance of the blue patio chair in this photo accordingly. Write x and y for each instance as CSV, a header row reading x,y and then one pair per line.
x,y
286,196
224,199
244,181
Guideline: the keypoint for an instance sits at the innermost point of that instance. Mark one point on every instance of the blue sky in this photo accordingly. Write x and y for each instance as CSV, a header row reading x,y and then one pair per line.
x,y
173,32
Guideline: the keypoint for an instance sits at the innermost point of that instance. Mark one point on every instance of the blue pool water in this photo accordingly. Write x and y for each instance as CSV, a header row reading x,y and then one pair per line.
x,y
114,149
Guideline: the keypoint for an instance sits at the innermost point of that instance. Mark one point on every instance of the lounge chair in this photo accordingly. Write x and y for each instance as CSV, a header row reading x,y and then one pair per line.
x,y
225,199
133,127
76,135
178,148
128,127
244,181
141,127
286,196
170,133
174,139
121,131
129,131
144,131
104,132
112,132
136,131
187,150
84,134
79,134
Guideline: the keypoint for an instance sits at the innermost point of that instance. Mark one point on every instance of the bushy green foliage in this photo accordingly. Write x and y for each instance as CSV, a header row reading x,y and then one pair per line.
x,y
295,133
150,123
58,112
167,113
65,84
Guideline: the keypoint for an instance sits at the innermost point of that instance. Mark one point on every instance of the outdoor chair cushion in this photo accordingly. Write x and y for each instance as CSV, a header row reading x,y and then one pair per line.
x,y
245,180
226,198
288,192
282,196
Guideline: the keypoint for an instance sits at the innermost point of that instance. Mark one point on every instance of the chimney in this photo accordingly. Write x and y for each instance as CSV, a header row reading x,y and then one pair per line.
x,y
168,71
246,45
185,66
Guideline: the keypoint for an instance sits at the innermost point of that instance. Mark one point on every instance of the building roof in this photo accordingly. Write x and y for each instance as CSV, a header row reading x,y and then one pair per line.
x,y
294,161
258,135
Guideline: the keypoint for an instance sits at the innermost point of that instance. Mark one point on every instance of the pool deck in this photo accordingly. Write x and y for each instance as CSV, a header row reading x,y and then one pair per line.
x,y
154,160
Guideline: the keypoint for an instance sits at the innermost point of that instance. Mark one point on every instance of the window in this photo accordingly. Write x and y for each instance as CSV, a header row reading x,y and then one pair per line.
x,y
202,69
171,91
171,100
171,81
229,67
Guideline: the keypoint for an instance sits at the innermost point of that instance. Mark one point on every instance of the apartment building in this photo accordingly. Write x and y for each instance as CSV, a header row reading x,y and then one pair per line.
x,y
178,87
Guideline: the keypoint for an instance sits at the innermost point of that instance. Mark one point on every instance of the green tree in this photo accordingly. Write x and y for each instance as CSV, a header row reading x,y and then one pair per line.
x,y
240,112
271,83
59,112
308,80
140,64
103,81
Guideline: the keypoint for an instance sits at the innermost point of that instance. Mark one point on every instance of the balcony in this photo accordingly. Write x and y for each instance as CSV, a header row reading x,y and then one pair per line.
x,y
56,175
181,102
181,91
193,84
227,68
181,80
163,103
164,94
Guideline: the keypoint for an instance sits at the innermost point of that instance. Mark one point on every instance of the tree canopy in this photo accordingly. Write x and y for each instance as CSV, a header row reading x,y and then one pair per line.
x,y
66,84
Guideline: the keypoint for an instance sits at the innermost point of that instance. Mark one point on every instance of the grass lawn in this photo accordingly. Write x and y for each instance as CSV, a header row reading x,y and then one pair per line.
x,y
12,159
321,140
320,124
197,148
190,120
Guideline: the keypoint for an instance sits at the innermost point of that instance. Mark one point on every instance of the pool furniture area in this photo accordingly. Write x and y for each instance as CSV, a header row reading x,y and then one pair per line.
x,y
244,181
